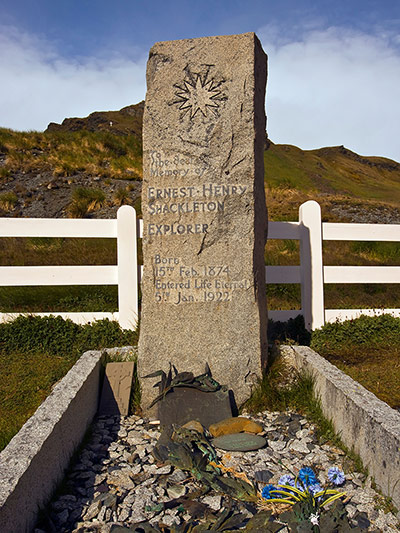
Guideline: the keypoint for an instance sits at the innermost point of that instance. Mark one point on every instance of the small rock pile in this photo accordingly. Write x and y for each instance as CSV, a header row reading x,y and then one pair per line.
x,y
116,480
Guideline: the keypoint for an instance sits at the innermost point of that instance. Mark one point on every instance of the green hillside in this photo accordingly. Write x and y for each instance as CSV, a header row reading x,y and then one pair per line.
x,y
333,170
107,145
365,188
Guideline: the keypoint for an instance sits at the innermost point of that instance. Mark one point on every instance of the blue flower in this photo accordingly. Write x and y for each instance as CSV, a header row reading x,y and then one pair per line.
x,y
266,492
307,476
314,489
336,476
286,479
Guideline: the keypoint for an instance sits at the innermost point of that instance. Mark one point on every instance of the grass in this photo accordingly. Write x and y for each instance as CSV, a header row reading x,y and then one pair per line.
x,y
35,353
68,152
368,350
26,380
332,171
85,200
8,200
58,251
337,296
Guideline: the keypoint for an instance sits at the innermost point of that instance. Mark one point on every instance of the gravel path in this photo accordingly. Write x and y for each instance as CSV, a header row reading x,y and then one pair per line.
x,y
116,480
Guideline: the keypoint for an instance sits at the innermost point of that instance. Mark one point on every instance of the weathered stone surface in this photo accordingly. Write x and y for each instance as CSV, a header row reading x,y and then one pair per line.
x,y
204,211
184,404
116,388
239,442
236,424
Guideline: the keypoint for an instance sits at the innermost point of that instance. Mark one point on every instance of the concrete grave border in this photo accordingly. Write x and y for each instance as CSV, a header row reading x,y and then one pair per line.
x,y
35,460
363,422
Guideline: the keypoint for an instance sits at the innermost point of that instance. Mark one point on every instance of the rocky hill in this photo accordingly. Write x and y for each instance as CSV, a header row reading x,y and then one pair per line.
x,y
89,166
126,121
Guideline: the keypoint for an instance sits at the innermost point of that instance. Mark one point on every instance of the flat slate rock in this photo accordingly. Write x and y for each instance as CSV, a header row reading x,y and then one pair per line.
x,y
239,442
116,389
183,404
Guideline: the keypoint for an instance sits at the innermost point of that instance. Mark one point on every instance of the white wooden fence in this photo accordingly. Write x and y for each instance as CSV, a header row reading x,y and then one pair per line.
x,y
124,274
311,273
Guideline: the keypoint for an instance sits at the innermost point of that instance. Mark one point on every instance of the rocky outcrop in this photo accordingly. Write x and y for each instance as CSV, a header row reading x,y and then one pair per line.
x,y
126,121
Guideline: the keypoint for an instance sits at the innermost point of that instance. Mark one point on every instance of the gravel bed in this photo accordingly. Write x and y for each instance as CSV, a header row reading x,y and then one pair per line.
x,y
116,480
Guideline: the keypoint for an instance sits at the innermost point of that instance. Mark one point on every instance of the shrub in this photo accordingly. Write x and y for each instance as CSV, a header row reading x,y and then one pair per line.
x,y
383,330
56,336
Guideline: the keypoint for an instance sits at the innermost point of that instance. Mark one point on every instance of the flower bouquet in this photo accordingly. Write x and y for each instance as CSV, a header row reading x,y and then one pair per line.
x,y
307,499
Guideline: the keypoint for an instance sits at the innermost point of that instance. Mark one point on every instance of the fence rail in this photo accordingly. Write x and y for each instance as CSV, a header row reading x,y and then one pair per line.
x,y
311,274
124,274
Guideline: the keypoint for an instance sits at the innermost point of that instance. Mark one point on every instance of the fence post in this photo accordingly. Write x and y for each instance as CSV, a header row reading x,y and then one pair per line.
x,y
312,270
127,267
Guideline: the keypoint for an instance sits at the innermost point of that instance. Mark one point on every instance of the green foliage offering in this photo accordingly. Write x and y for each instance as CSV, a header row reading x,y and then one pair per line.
x,y
308,499
377,331
333,520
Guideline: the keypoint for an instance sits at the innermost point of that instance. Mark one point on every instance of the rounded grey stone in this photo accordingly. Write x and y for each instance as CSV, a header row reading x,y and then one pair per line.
x,y
239,442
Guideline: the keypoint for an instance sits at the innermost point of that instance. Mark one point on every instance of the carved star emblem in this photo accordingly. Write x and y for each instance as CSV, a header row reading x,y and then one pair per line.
x,y
199,96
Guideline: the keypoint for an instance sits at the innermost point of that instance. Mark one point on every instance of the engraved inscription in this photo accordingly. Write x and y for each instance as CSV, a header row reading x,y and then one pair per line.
x,y
177,283
180,200
176,166
181,206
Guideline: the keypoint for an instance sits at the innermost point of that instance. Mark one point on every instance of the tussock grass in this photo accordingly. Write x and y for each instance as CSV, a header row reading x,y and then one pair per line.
x,y
333,171
121,196
8,200
66,153
85,200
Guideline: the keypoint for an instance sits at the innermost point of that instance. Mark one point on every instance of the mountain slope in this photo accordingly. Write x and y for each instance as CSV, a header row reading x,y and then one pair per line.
x,y
333,170
103,151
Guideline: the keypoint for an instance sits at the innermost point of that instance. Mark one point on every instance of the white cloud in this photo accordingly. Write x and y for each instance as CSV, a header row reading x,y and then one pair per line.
x,y
38,86
325,87
332,87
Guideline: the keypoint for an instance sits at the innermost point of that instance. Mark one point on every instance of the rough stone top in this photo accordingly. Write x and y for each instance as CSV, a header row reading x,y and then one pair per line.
x,y
249,34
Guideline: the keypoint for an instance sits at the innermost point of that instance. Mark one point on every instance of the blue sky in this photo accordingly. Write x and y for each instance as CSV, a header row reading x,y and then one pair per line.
x,y
334,66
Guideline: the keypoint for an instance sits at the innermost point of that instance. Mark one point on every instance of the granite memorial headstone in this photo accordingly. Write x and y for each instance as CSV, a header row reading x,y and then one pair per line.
x,y
204,212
